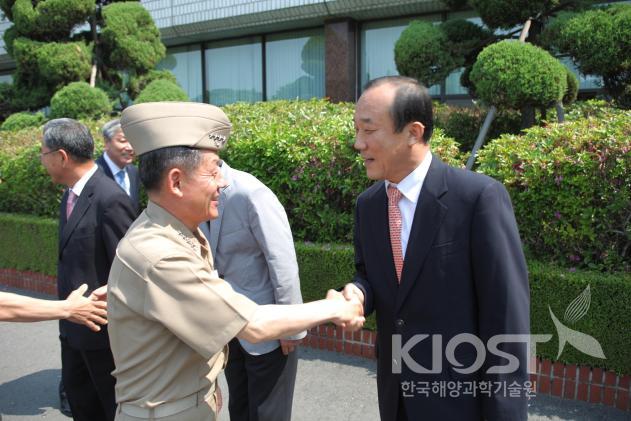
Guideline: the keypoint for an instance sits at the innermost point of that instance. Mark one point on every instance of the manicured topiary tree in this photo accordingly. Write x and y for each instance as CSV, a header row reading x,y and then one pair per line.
x,y
599,42
162,90
430,64
140,82
19,121
511,74
80,101
49,55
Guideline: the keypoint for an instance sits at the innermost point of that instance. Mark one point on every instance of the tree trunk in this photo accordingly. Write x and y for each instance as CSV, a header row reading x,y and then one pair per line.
x,y
527,117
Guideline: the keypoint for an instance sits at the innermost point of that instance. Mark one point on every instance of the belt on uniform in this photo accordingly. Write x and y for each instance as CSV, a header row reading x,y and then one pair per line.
x,y
165,409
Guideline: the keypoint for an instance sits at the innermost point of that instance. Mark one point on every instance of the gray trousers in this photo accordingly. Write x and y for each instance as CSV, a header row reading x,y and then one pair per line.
x,y
261,387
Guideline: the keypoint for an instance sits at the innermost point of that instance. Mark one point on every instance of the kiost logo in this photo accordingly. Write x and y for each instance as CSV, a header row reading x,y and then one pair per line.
x,y
575,311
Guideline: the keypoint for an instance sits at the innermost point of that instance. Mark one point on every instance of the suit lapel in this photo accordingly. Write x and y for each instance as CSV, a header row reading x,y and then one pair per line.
x,y
105,168
215,224
428,217
81,207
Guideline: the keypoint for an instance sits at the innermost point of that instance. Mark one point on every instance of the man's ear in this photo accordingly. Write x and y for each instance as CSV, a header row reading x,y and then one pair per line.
x,y
173,181
416,129
65,158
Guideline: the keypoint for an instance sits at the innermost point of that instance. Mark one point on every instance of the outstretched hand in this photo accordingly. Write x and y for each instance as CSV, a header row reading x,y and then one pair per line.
x,y
87,311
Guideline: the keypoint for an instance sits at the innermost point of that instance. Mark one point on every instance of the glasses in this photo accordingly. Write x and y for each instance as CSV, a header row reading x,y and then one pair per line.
x,y
42,154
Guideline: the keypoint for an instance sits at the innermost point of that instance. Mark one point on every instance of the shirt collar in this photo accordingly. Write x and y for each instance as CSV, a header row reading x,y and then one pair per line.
x,y
79,185
113,167
410,187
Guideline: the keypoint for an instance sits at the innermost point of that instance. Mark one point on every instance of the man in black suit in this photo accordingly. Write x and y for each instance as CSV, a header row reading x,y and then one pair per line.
x,y
437,253
116,161
94,215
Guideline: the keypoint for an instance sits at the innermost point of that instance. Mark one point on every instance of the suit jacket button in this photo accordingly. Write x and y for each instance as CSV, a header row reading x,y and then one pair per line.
x,y
399,323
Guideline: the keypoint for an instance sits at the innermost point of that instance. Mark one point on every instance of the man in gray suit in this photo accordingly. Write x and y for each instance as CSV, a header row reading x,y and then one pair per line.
x,y
253,249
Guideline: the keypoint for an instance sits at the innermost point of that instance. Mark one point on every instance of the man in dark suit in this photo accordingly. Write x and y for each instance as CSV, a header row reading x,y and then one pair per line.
x,y
116,161
437,253
94,215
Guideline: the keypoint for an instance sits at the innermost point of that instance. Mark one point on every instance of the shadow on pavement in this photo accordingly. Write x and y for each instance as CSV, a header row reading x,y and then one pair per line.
x,y
31,394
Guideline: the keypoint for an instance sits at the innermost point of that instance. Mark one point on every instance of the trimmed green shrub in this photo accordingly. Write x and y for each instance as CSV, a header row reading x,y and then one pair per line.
x,y
55,63
50,20
28,243
6,96
161,90
466,39
572,87
571,188
599,41
507,13
19,121
511,74
79,101
297,148
607,320
422,52
131,39
463,123
138,83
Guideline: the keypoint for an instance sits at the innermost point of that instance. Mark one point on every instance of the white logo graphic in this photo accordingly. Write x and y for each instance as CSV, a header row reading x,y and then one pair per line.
x,y
575,311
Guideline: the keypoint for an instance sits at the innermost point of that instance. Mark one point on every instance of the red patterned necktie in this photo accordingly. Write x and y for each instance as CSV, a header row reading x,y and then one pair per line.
x,y
394,219
72,199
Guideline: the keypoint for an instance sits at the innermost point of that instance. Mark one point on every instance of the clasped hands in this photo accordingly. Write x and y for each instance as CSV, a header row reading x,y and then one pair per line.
x,y
350,302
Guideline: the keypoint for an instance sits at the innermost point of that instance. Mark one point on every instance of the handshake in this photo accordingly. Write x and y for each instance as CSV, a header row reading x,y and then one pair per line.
x,y
350,307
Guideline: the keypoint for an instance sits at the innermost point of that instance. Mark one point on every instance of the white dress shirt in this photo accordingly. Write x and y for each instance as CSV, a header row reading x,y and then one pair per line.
x,y
410,188
79,185
115,169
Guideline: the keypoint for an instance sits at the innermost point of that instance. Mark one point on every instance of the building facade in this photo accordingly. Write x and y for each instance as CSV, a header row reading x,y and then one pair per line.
x,y
223,51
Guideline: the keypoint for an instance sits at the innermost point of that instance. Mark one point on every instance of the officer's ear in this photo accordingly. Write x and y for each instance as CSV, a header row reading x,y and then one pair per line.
x,y
173,181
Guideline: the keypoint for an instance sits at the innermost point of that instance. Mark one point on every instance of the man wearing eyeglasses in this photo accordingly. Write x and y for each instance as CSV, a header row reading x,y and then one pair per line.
x,y
94,215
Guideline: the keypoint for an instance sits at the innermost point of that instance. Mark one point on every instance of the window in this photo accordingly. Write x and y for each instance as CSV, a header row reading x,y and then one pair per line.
x,y
295,65
6,78
186,64
234,71
377,49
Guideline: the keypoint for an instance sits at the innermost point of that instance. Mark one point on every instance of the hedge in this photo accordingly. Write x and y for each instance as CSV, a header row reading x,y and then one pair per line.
x,y
303,150
30,243
570,183
571,188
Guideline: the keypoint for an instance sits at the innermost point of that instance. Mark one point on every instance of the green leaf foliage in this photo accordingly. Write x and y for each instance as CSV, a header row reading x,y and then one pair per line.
x,y
79,101
599,42
131,40
571,188
139,82
508,13
572,87
5,7
50,20
19,121
463,123
303,150
466,39
6,96
52,64
512,74
423,52
161,90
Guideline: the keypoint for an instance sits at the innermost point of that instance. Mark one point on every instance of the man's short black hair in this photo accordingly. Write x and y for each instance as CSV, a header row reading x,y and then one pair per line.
x,y
71,136
153,165
411,103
